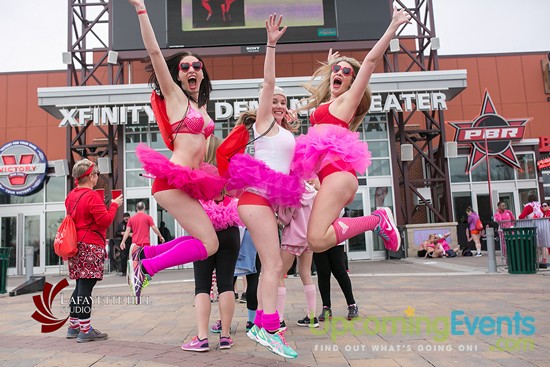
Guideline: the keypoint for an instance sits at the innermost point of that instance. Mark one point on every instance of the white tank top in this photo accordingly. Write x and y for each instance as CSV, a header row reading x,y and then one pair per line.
x,y
276,151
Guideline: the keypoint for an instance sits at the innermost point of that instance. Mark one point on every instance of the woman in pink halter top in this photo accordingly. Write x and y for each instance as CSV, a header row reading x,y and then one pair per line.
x,y
333,151
180,181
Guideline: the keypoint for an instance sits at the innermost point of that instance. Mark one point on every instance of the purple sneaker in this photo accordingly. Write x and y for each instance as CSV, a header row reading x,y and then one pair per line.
x,y
387,230
226,342
196,345
217,327
138,279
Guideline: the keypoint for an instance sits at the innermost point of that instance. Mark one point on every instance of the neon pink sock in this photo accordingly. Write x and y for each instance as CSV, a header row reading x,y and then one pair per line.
x,y
281,299
152,251
349,227
183,253
270,321
311,299
258,318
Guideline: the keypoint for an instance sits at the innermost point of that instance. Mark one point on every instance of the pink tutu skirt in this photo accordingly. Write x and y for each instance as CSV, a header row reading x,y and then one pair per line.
x,y
203,183
222,216
329,143
249,174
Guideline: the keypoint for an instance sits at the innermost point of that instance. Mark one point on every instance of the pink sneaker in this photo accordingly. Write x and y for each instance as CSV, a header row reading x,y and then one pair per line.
x,y
196,345
387,230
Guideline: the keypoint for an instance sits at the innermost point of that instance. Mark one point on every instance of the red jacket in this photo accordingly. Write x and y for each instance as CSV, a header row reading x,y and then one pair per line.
x,y
91,216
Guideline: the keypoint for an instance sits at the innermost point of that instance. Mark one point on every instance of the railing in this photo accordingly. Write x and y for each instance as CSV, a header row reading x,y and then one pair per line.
x,y
543,231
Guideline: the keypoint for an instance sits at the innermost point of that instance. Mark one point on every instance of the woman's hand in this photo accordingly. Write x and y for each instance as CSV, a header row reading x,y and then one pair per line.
x,y
400,17
117,201
332,56
272,26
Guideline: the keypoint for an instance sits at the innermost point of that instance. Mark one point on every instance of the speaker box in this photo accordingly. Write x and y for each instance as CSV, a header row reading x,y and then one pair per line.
x,y
451,149
407,152
104,165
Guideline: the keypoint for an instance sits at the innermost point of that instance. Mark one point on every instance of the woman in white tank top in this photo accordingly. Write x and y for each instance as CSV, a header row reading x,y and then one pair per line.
x,y
265,184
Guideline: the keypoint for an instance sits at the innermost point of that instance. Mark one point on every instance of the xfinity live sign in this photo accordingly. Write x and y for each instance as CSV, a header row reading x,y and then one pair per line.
x,y
123,115
513,332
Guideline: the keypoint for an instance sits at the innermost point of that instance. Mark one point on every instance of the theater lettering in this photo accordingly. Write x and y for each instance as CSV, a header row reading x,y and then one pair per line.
x,y
423,101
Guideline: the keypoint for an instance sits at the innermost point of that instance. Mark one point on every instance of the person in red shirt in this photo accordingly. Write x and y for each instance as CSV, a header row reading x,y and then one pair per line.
x,y
545,209
139,224
92,218
532,209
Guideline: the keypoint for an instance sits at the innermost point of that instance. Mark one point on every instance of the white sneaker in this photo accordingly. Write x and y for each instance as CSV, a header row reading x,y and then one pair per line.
x,y
478,254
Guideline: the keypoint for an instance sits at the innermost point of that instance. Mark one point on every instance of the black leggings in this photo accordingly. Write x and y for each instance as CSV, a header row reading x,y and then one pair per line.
x,y
333,260
224,261
80,305
251,286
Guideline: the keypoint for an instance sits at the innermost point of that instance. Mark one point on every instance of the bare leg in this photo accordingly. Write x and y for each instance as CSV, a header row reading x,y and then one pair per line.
x,y
227,309
262,225
337,190
202,309
191,216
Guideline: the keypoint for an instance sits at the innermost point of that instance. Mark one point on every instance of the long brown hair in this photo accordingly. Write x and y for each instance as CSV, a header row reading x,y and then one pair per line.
x,y
320,92
173,63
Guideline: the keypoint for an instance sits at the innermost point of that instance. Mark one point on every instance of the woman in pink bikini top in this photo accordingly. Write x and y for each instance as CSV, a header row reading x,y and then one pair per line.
x,y
182,88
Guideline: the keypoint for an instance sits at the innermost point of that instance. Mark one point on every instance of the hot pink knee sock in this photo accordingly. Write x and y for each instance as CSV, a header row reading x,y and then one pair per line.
x,y
311,299
152,251
182,253
349,227
258,318
281,299
270,321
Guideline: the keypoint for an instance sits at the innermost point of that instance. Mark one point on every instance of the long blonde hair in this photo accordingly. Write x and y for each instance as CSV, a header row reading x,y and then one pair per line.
x,y
212,144
320,92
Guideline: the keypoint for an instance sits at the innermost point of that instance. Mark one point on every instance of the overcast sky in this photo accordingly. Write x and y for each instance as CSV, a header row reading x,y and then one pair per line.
x,y
34,32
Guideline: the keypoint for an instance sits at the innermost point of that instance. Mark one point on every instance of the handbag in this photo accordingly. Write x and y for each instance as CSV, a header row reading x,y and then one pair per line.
x,y
479,225
235,142
65,242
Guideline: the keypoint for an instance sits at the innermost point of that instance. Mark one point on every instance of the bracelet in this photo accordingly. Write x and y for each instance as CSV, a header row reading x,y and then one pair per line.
x,y
142,11
269,46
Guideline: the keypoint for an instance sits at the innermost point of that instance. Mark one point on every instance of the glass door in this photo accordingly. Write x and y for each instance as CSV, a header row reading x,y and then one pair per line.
x,y
357,246
18,232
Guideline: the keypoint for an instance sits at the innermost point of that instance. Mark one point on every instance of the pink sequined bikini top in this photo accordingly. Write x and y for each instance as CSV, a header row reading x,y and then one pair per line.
x,y
322,115
193,123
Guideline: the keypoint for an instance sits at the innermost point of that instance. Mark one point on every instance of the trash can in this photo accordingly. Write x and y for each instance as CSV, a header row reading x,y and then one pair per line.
x,y
4,264
521,248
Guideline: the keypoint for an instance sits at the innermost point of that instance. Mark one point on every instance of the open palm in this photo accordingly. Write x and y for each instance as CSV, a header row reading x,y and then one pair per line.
x,y
272,26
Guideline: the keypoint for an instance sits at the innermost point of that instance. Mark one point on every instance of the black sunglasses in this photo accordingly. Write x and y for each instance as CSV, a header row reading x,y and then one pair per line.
x,y
347,71
197,65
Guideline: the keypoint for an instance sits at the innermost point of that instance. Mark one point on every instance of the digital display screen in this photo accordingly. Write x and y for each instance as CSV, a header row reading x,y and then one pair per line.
x,y
193,23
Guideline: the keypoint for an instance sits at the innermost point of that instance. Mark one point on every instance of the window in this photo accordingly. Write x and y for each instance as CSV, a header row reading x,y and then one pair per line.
x,y
457,168
528,169
146,133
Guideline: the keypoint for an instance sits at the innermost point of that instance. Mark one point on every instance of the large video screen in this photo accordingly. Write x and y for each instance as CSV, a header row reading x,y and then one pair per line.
x,y
202,23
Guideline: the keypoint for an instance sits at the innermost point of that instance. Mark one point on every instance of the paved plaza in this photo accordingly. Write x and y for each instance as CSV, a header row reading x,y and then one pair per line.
x,y
413,313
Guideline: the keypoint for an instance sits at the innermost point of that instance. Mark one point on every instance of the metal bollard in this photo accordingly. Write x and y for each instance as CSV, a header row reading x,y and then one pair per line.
x,y
29,261
490,235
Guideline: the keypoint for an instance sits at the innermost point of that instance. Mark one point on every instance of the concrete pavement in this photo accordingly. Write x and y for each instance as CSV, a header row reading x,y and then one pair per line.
x,y
413,312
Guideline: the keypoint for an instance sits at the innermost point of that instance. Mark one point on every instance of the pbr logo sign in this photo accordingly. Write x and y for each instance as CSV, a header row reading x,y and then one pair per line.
x,y
22,168
491,135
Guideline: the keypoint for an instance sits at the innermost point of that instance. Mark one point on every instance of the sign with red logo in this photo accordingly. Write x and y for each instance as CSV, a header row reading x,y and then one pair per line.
x,y
544,144
22,168
490,134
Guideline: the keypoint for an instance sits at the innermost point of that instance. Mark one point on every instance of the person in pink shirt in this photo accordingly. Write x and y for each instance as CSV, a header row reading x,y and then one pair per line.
x,y
139,224
503,216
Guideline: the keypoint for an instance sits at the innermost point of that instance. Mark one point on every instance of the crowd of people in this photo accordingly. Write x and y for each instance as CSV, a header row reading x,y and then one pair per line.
x,y
274,188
